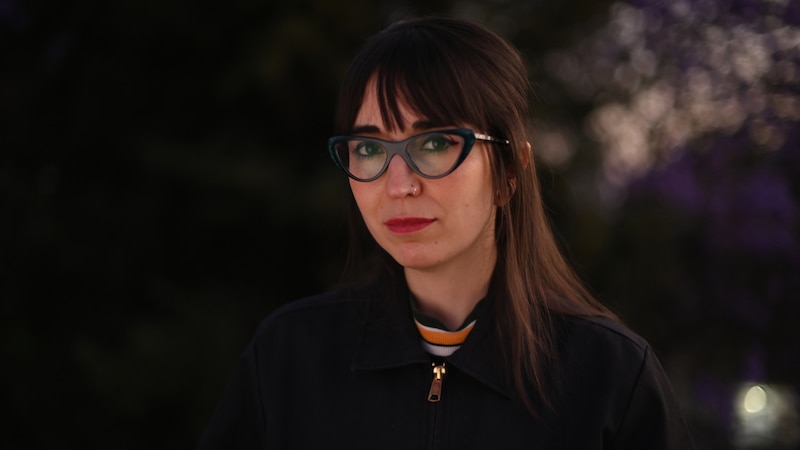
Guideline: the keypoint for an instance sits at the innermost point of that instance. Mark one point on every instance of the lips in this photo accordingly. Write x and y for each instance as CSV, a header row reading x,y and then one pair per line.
x,y
408,224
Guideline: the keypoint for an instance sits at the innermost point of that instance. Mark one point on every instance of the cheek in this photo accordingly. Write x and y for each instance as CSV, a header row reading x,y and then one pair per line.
x,y
363,197
481,185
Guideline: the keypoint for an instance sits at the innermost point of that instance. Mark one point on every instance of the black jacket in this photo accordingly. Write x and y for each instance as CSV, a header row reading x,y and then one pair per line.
x,y
335,372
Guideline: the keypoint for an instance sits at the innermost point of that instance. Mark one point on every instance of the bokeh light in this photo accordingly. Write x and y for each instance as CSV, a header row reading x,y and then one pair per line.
x,y
662,74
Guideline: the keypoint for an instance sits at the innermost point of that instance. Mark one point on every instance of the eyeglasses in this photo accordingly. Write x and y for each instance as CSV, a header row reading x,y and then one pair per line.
x,y
433,154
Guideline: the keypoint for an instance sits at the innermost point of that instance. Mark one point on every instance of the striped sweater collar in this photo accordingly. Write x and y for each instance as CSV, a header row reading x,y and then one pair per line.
x,y
436,338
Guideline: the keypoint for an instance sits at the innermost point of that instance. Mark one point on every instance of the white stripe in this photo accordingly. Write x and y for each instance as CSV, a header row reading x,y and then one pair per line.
x,y
439,350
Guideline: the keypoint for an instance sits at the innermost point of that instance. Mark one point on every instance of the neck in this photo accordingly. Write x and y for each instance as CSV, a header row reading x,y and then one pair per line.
x,y
451,293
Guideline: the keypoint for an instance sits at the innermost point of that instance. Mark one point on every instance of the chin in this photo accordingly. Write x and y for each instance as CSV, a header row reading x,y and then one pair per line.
x,y
413,255
417,262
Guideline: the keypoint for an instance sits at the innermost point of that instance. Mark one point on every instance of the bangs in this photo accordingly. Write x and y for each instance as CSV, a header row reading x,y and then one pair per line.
x,y
430,74
424,76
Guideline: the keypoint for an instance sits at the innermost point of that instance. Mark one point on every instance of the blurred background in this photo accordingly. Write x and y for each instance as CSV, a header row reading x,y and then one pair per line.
x,y
165,185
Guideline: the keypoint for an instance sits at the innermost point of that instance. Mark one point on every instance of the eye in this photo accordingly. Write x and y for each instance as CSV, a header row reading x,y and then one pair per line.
x,y
437,143
368,149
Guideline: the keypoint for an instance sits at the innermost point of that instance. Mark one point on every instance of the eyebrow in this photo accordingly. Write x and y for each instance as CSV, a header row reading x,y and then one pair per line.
x,y
365,129
418,125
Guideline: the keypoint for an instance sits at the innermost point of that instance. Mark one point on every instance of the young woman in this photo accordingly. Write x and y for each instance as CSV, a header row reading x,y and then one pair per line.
x,y
472,331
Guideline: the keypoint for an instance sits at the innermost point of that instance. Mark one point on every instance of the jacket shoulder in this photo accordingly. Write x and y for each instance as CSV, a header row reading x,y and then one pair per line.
x,y
606,330
319,303
322,316
609,350
642,410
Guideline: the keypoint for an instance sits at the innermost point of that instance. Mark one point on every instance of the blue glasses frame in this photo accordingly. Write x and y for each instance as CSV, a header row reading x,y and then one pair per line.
x,y
401,148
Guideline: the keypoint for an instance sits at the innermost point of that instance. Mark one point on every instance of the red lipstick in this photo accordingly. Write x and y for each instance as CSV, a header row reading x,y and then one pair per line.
x,y
403,225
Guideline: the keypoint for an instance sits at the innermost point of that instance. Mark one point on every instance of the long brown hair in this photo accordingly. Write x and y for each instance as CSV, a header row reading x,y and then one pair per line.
x,y
452,71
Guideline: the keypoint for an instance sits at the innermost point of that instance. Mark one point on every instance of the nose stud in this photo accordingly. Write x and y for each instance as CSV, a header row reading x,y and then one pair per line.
x,y
413,191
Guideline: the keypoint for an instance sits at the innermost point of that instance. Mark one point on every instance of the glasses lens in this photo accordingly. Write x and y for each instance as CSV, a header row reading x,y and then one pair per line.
x,y
362,158
435,154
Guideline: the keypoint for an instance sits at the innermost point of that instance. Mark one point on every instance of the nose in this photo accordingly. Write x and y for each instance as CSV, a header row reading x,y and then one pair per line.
x,y
400,179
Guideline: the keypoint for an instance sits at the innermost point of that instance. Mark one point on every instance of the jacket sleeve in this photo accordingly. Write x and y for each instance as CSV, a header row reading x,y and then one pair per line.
x,y
238,421
653,420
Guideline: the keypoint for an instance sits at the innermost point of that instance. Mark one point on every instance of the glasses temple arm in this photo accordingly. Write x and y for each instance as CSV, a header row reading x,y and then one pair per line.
x,y
486,137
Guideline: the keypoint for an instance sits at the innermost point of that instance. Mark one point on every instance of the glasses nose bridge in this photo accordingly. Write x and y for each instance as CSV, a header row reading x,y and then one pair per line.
x,y
398,149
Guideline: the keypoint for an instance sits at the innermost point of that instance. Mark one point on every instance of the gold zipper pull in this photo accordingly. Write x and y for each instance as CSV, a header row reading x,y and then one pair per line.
x,y
435,394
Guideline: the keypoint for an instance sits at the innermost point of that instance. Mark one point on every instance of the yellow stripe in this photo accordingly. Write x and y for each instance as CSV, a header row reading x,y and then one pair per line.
x,y
441,337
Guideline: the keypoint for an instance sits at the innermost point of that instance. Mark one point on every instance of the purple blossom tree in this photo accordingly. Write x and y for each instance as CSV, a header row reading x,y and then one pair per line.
x,y
693,112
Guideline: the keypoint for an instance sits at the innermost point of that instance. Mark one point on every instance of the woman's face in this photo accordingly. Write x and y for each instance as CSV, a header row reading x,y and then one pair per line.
x,y
448,223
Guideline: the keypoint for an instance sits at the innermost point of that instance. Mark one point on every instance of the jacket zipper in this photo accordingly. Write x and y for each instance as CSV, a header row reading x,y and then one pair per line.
x,y
434,397
435,393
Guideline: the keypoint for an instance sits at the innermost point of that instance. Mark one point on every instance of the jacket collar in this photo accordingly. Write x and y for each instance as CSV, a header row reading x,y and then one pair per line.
x,y
481,356
390,339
